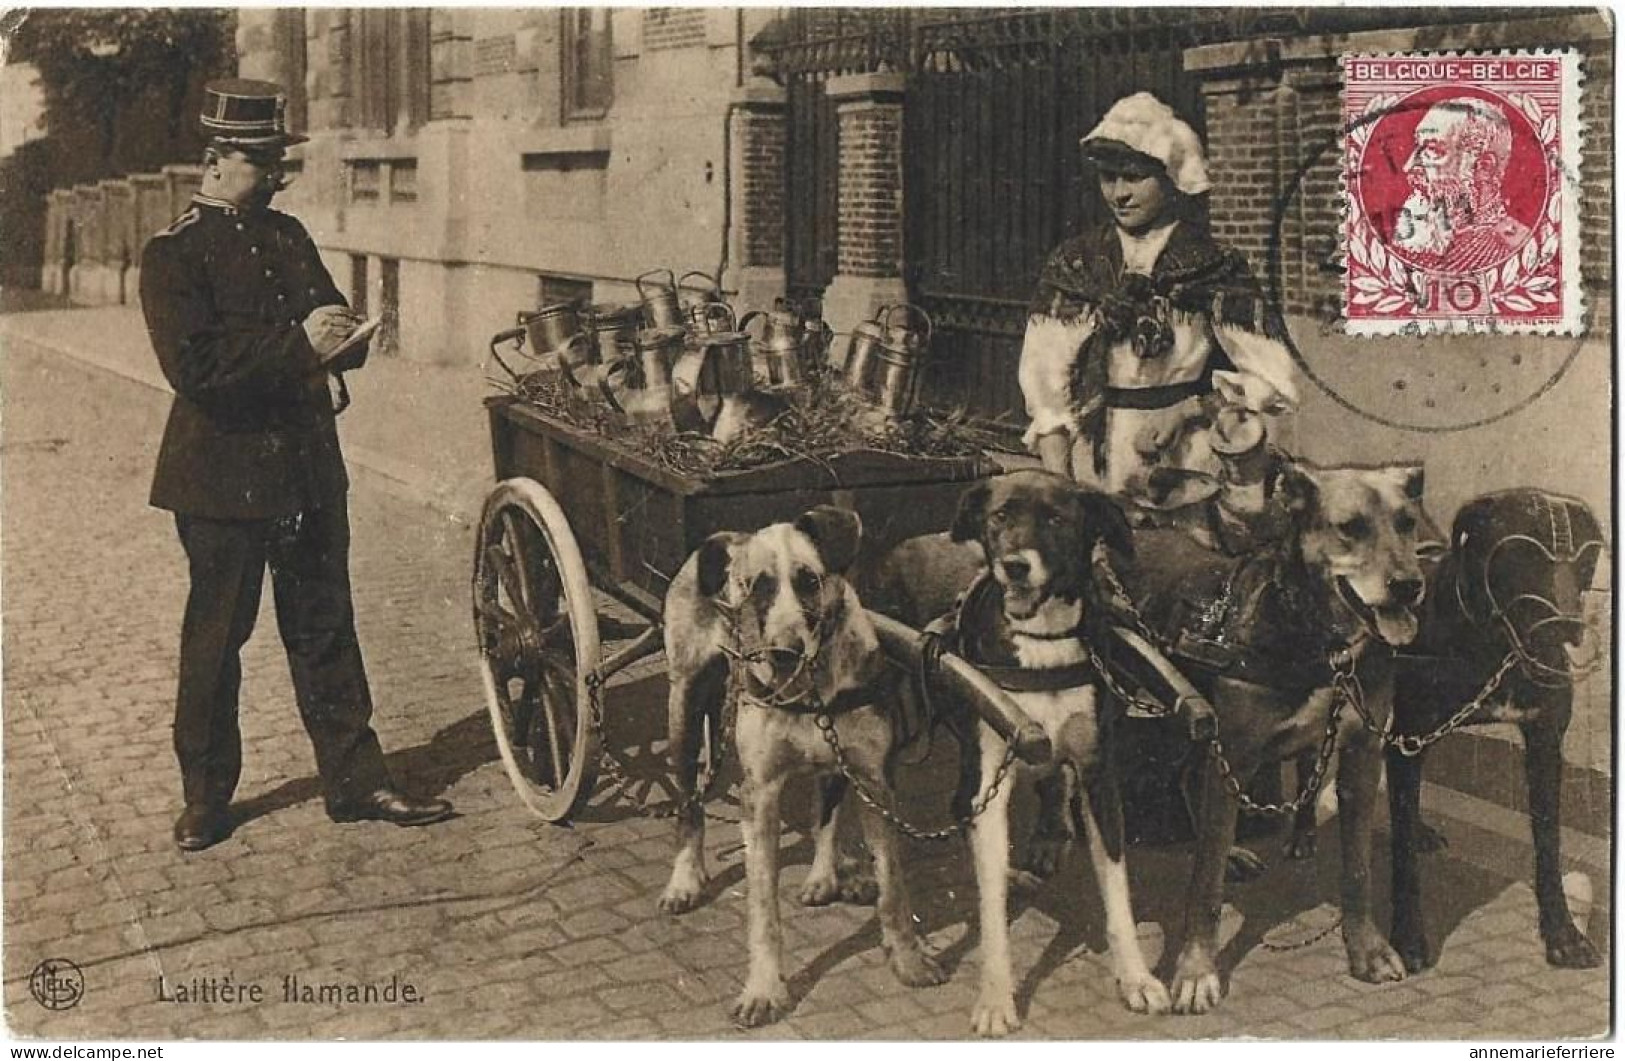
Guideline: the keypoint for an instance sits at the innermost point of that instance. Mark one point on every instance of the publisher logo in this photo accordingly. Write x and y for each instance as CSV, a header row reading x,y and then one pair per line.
x,y
57,983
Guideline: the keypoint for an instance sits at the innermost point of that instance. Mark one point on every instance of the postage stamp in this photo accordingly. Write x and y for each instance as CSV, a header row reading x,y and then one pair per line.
x,y
1461,178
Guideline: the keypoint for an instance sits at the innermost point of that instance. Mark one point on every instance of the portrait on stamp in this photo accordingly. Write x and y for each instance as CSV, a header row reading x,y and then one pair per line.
x,y
1462,177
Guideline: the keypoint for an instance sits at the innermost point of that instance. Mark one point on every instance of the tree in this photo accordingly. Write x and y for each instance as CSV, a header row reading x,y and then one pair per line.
x,y
100,67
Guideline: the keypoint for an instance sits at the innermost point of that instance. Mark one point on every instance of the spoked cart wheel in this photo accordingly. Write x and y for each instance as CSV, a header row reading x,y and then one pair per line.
x,y
538,640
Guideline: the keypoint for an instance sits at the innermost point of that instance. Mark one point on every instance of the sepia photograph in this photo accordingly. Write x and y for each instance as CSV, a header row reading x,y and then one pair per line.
x,y
706,524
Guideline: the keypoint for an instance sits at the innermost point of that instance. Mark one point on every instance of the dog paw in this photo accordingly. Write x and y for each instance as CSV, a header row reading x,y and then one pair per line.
x,y
682,895
1372,959
756,1006
819,891
1427,839
859,889
1300,845
1197,988
1412,948
1043,859
1144,993
995,1014
1568,948
914,966
1242,865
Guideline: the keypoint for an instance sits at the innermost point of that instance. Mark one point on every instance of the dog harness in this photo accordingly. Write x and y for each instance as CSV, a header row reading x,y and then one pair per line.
x,y
977,609
1264,627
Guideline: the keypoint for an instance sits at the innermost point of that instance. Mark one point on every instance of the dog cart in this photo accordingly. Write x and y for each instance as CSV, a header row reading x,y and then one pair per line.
x,y
574,513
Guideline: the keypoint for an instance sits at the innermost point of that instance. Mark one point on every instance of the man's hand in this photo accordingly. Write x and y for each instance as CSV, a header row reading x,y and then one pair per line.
x,y
327,327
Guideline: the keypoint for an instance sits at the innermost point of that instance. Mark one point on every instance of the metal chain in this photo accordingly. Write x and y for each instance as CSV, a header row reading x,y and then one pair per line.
x,y
1411,745
1306,793
826,725
618,772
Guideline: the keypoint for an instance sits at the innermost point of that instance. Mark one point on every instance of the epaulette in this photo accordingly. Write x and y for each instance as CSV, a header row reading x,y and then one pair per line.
x,y
186,220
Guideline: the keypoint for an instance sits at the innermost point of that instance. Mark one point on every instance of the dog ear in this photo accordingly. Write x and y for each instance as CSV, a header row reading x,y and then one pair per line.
x,y
835,532
1104,521
972,514
1410,481
714,557
1296,487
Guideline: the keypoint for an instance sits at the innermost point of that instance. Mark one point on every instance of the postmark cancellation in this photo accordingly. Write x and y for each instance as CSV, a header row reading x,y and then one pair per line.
x,y
1462,185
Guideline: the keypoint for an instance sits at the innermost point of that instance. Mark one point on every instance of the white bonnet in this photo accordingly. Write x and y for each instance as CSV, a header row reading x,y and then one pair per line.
x,y
1146,124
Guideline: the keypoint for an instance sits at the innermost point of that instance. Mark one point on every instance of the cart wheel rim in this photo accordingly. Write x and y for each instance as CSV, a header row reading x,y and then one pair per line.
x,y
537,634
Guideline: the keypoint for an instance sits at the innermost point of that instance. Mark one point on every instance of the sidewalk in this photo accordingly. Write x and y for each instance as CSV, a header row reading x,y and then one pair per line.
x,y
420,428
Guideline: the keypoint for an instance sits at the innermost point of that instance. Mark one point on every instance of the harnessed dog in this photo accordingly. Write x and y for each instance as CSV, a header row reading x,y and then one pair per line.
x,y
772,613
1504,639
1035,623
1278,641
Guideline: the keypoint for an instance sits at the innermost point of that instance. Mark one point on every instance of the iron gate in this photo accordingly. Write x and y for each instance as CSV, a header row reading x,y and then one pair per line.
x,y
996,106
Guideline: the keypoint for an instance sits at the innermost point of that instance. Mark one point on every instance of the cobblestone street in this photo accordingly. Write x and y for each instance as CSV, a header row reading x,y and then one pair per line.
x,y
508,927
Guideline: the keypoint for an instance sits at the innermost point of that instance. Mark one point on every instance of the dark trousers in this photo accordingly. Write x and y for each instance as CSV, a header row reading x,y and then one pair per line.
x,y
310,579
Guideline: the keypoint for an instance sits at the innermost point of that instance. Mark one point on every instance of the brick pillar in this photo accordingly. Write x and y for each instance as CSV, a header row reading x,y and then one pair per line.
x,y
756,243
869,270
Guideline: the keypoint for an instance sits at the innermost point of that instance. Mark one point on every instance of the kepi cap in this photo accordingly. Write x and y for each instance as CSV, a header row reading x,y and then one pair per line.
x,y
249,113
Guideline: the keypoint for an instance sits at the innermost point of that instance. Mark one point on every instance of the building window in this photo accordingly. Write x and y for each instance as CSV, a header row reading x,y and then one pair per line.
x,y
403,181
366,181
389,75
551,290
587,61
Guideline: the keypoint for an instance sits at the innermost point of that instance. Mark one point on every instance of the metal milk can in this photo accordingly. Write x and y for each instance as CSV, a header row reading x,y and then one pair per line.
x,y
661,308
776,353
701,295
643,385
714,370
710,318
886,371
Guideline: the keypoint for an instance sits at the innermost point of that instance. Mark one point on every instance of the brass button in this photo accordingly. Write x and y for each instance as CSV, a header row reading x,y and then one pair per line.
x,y
254,250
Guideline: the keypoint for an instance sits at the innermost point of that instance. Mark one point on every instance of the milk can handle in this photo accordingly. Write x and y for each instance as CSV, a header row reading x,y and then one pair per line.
x,y
711,285
712,309
638,281
512,335
569,364
886,312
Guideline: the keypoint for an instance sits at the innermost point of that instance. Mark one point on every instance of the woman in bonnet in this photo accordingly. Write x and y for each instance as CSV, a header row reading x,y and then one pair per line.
x,y
1137,322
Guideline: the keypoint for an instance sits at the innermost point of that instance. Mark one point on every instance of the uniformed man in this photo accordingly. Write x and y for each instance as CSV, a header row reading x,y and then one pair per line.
x,y
249,328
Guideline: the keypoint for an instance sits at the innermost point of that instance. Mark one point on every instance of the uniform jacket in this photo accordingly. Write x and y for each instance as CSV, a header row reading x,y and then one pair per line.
x,y
251,431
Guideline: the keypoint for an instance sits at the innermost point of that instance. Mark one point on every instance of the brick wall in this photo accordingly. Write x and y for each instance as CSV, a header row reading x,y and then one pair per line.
x,y
761,216
871,201
1273,120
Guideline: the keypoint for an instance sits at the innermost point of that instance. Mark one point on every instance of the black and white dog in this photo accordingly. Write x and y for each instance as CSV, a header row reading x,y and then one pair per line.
x,y
1032,622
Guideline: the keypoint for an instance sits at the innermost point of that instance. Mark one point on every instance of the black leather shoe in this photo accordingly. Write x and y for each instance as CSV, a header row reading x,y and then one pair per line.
x,y
388,805
201,825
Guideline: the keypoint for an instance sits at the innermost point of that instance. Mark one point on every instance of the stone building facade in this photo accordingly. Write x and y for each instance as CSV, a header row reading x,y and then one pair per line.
x,y
469,163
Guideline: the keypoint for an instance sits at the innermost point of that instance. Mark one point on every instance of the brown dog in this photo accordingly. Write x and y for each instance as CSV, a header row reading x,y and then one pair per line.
x,y
776,605
1263,637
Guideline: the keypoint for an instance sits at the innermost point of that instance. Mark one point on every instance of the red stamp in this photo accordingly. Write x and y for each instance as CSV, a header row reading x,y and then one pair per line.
x,y
1461,177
